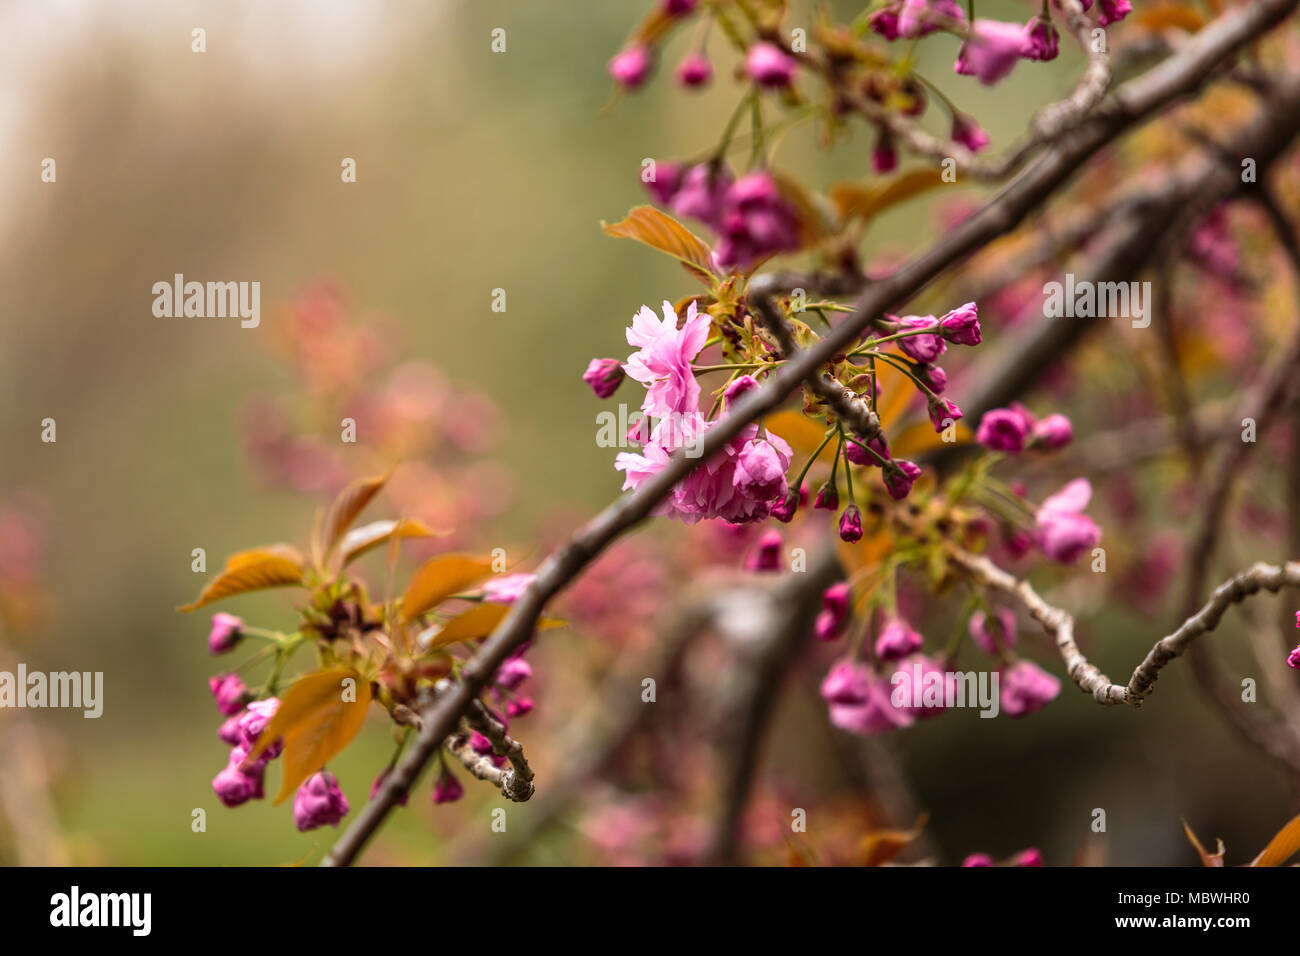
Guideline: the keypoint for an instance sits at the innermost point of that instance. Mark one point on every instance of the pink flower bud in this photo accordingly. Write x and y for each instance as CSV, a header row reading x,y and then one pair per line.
x,y
994,637
236,785
969,133
229,730
767,556
961,326
884,157
225,634
1030,857
694,71
899,476
1043,40
834,613
992,50
923,348
934,377
828,498
897,641
1112,11
512,674
508,588
520,706
666,181
851,524
1026,688
1063,532
784,511
739,388
1053,432
1293,659
978,859
768,65
855,453
678,8
703,193
229,692
604,376
630,67
319,802
447,789
1003,429
943,412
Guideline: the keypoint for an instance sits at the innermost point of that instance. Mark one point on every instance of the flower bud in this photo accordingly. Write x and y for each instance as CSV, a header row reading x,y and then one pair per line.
x,y
225,634
604,376
630,67
851,524
319,802
768,65
229,692
694,71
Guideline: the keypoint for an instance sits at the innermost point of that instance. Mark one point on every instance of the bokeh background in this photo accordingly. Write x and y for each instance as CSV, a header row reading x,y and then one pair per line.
x,y
476,171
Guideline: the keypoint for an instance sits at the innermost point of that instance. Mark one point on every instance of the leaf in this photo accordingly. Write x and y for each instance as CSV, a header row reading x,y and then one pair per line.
x,y
351,501
1207,859
658,230
477,622
439,578
880,846
278,565
1284,845
857,200
1158,16
315,722
360,540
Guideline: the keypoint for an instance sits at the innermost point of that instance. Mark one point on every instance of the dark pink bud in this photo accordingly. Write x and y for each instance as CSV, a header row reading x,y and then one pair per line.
x,y
828,498
1112,11
943,412
1004,429
254,721
1030,857
851,524
961,326
897,641
855,453
978,859
666,181
884,157
678,8
235,785
785,510
520,706
1293,659
923,348
1026,688
969,133
899,476
1043,40
767,555
604,376
768,65
480,744
694,71
835,612
225,634
447,789
229,731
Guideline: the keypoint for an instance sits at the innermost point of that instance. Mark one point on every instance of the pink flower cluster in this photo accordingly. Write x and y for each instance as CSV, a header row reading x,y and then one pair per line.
x,y
741,483
1014,429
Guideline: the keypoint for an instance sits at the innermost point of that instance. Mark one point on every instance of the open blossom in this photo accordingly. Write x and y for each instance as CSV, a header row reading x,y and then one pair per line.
x,y
768,65
756,222
229,692
1025,688
834,614
760,471
859,701
604,376
630,67
663,358
992,50
225,634
319,802
897,641
990,637
1004,429
1064,533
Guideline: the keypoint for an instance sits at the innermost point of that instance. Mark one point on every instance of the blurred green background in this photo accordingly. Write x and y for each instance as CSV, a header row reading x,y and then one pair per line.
x,y
476,171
